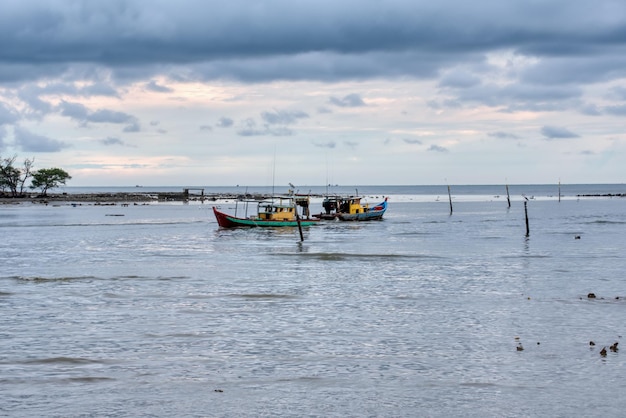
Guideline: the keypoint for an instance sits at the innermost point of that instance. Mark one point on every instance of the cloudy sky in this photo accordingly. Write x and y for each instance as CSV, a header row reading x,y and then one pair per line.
x,y
199,92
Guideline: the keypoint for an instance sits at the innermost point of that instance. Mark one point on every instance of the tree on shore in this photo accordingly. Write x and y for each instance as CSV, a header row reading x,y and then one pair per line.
x,y
14,178
49,178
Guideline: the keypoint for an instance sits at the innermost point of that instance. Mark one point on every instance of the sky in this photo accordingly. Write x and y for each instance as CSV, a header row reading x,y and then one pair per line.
x,y
350,92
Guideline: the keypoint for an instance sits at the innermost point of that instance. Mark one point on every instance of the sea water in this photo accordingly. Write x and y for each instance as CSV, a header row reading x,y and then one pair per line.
x,y
152,310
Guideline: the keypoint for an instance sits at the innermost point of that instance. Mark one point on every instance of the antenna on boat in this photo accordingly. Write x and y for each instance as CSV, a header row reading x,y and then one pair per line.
x,y
274,173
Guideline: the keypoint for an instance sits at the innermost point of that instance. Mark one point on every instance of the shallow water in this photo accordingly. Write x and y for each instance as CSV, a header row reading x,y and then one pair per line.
x,y
151,310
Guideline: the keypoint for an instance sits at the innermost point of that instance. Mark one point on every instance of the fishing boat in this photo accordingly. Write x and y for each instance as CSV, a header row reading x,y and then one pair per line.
x,y
351,209
279,211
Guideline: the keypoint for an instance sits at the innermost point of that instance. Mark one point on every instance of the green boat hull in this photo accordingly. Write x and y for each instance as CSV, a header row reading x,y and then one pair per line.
x,y
228,221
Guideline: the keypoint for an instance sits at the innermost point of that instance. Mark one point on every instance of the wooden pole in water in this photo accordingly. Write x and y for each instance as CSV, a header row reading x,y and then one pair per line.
x,y
559,190
526,213
299,225
508,197
295,209
450,199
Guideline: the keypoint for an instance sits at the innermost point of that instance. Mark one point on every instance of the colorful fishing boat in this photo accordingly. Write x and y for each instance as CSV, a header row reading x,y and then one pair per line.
x,y
351,209
280,211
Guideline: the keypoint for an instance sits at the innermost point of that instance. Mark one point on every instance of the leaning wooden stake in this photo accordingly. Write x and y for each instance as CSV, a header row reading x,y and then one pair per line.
x,y
450,198
526,213
299,226
508,197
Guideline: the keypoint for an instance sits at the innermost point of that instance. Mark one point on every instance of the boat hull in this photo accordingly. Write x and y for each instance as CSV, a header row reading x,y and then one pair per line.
x,y
368,214
365,216
227,221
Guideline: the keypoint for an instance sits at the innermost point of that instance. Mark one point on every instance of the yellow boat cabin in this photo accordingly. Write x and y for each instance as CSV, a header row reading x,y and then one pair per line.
x,y
352,206
284,209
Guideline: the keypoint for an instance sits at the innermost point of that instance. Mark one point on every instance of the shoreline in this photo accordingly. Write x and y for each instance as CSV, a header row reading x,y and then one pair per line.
x,y
126,197
135,198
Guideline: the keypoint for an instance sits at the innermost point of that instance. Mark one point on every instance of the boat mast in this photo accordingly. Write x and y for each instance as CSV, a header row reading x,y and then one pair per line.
x,y
274,174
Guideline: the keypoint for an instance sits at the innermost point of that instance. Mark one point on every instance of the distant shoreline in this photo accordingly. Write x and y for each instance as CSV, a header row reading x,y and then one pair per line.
x,y
126,197
135,197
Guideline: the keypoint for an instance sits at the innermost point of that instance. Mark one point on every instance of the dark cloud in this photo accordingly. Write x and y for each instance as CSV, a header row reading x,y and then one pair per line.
x,y
324,40
437,148
412,141
94,88
97,89
109,116
618,93
554,132
329,144
328,66
265,131
619,110
283,117
351,100
36,106
158,33
208,128
32,94
225,123
513,56
503,135
459,80
323,110
582,68
84,115
3,134
250,128
31,142
132,127
8,116
74,110
14,72
516,97
112,141
591,110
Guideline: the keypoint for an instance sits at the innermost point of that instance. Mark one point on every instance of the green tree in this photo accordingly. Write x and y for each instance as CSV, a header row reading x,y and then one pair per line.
x,y
49,178
14,178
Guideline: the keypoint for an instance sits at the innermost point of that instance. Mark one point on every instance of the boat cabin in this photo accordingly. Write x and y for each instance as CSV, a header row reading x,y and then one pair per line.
x,y
352,205
284,209
273,212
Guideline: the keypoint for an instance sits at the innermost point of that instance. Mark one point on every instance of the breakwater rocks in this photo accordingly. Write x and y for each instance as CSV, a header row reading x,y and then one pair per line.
x,y
603,195
134,197
82,197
